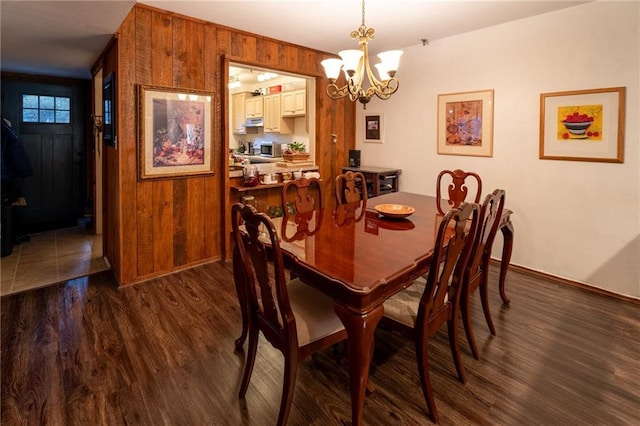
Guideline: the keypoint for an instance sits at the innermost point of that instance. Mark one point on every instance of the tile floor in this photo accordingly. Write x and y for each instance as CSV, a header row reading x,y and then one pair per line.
x,y
51,257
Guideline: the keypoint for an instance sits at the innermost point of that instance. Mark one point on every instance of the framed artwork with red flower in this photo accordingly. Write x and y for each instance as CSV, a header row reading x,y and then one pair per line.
x,y
583,125
175,132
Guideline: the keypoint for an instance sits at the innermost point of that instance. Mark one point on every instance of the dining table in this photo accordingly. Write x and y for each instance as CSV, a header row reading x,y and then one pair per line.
x,y
360,258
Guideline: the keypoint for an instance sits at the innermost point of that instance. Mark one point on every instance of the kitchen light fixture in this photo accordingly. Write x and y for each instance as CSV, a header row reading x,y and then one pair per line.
x,y
234,82
355,64
264,76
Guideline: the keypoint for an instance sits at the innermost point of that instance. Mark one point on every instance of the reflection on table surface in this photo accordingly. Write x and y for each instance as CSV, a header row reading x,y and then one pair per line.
x,y
361,250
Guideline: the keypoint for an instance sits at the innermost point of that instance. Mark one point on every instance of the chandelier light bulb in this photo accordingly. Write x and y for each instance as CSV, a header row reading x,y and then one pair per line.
x,y
390,60
351,59
332,68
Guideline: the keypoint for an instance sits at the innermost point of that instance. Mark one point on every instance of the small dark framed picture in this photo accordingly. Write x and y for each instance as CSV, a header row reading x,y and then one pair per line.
x,y
373,128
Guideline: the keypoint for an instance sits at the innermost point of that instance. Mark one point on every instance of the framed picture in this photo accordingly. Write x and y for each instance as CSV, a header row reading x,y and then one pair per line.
x,y
583,125
175,132
465,123
109,110
373,128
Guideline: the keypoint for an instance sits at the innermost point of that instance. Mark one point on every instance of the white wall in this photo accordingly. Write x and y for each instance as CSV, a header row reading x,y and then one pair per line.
x,y
576,220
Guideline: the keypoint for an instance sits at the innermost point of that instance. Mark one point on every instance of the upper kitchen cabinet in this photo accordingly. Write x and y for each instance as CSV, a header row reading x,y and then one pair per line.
x,y
254,107
294,103
273,119
238,113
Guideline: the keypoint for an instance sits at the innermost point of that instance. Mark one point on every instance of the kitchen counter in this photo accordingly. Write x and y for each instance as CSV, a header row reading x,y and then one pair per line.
x,y
258,159
265,168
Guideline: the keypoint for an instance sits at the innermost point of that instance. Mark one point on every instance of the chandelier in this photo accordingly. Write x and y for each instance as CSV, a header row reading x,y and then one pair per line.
x,y
355,64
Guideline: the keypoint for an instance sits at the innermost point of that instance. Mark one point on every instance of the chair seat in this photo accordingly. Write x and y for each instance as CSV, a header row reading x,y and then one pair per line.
x,y
314,313
403,306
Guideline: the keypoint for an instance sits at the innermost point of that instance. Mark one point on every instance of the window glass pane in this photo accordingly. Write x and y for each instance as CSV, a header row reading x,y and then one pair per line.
x,y
107,112
47,102
62,103
29,101
62,116
46,109
47,116
29,115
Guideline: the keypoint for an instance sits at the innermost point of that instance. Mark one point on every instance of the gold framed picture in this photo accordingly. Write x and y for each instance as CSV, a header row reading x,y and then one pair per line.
x,y
175,132
465,123
583,125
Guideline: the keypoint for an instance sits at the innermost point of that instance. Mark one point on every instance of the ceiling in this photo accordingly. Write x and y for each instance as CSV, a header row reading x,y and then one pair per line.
x,y
64,38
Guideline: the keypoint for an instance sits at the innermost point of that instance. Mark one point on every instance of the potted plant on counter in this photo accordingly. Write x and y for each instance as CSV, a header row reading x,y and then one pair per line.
x,y
296,151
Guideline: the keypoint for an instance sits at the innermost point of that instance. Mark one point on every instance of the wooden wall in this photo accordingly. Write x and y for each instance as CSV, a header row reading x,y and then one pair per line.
x,y
170,224
110,171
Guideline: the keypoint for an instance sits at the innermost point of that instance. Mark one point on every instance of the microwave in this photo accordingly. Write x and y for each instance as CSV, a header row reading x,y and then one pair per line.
x,y
271,149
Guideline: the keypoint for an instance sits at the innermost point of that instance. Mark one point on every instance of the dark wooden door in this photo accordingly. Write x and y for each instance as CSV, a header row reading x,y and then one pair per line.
x,y
56,193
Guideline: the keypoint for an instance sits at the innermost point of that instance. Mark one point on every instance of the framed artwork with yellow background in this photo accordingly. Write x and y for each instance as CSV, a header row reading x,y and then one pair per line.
x,y
583,125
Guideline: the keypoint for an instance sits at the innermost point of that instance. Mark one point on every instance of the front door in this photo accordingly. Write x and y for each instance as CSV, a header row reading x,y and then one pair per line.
x,y
55,194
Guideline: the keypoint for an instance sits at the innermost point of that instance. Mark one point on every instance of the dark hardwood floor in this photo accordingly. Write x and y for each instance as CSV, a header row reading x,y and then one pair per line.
x,y
162,353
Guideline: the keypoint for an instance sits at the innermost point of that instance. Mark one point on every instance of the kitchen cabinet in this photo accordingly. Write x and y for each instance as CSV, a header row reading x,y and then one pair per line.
x,y
238,112
273,120
253,107
380,180
294,103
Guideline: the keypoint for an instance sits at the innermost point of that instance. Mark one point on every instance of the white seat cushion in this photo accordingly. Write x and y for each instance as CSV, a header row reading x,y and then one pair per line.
x,y
403,306
314,312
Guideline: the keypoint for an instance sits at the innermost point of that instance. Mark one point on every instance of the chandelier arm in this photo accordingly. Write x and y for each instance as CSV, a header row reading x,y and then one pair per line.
x,y
373,81
335,92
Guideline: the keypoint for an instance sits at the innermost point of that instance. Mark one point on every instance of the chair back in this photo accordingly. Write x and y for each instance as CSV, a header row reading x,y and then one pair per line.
x,y
302,195
240,282
450,256
267,298
301,204
457,189
347,190
490,214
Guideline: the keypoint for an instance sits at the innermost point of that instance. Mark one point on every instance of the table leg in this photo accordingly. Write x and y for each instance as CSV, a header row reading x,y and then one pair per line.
x,y
360,337
507,247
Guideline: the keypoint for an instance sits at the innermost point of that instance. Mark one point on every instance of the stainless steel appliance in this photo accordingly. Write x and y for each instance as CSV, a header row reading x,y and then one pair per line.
x,y
248,148
271,149
256,148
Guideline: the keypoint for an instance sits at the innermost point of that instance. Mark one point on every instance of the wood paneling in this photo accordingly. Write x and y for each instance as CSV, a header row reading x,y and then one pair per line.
x,y
165,225
110,172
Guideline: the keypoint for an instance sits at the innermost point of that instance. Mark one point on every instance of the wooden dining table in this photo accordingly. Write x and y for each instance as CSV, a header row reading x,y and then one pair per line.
x,y
360,260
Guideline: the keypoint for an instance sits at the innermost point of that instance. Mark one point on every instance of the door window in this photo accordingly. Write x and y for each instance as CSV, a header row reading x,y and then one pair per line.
x,y
46,109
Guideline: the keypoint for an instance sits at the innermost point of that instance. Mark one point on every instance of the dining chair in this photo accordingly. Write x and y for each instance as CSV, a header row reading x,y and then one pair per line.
x,y
421,309
296,319
240,282
351,197
457,188
301,202
347,188
476,273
